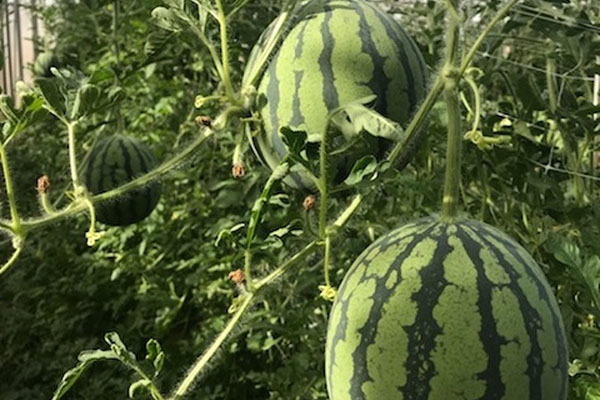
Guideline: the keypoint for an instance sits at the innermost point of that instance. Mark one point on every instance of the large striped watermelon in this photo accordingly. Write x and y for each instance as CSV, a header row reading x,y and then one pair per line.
x,y
335,52
435,311
113,161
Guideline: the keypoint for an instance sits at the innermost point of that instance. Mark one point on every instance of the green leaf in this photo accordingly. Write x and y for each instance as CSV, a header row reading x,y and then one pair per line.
x,y
591,273
295,140
155,42
166,19
8,109
86,358
85,100
355,117
567,253
52,96
362,168
120,351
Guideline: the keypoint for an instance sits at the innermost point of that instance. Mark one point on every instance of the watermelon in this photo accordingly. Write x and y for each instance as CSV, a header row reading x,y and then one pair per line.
x,y
445,311
43,63
335,52
112,162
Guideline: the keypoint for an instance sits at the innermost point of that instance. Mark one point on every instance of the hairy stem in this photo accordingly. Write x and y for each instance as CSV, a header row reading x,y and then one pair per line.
x,y
199,365
453,151
10,192
225,52
14,257
71,126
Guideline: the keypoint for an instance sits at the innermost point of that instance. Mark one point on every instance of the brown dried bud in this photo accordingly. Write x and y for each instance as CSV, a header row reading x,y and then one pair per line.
x,y
238,170
596,155
309,202
238,277
204,120
43,184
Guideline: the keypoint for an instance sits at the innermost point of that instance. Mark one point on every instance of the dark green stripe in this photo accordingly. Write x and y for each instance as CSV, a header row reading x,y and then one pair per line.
x,y
115,214
392,32
535,357
330,94
531,317
98,152
379,82
272,93
489,337
297,117
131,204
421,335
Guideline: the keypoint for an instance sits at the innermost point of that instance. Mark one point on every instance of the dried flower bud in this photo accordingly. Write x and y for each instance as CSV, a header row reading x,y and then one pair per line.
x,y
238,277
43,184
238,170
309,202
204,120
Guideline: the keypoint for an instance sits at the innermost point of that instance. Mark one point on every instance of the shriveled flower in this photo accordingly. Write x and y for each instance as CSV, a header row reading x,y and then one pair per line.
x,y
43,184
309,202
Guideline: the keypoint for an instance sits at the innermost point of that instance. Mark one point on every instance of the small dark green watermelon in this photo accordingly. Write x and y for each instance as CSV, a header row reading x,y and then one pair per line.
x,y
334,53
43,64
112,162
437,311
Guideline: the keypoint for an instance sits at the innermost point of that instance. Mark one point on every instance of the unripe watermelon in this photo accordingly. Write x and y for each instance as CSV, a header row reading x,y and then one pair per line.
x,y
43,63
334,53
112,162
435,311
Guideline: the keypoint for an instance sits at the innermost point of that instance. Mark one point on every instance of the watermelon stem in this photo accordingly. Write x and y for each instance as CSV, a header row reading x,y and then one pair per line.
x,y
18,246
226,75
451,77
15,229
188,381
278,173
71,127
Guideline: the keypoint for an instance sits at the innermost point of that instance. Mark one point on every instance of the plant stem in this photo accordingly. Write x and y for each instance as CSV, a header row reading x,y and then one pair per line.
x,y
419,119
188,381
327,259
13,258
466,62
276,175
225,52
72,157
10,192
323,184
282,269
453,151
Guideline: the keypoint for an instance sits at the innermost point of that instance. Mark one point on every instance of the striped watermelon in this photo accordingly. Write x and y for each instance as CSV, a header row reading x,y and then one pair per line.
x,y
447,312
335,52
112,162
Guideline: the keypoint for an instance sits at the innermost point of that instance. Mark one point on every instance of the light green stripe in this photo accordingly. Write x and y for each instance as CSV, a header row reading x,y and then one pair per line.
x,y
312,103
457,314
350,64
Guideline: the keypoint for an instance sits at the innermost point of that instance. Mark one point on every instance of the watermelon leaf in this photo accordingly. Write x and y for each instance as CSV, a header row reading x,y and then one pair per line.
x,y
362,168
166,19
356,117
294,140
86,358
51,94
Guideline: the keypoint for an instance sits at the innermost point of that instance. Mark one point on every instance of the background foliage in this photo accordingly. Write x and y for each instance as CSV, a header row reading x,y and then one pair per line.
x,y
166,278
